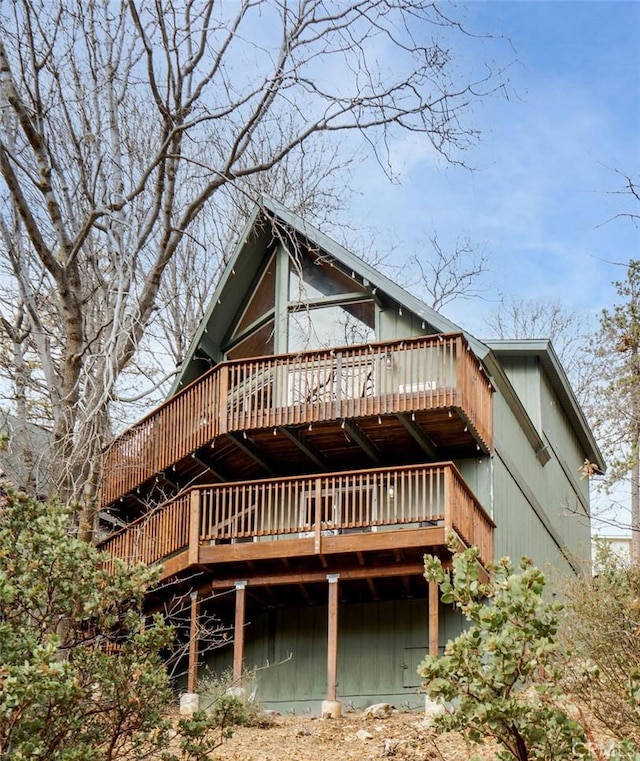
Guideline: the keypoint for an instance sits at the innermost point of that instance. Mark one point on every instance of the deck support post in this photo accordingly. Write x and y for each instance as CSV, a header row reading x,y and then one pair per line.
x,y
192,673
332,637
434,626
238,631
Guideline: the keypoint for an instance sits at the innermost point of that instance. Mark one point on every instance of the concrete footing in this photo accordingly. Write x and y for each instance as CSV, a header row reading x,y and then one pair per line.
x,y
331,709
432,708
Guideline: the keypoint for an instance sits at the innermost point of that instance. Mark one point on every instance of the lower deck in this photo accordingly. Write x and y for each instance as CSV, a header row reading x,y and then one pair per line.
x,y
369,522
234,552
379,646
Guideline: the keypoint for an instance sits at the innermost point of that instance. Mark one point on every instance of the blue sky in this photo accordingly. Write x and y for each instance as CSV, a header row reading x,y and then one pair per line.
x,y
541,194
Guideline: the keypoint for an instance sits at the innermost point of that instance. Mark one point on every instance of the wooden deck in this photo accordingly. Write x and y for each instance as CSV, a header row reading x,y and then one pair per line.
x,y
432,374
234,527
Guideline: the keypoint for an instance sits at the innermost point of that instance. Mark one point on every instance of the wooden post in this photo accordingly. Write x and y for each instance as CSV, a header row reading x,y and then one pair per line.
x,y
434,627
448,498
194,527
317,526
332,637
192,673
222,422
238,631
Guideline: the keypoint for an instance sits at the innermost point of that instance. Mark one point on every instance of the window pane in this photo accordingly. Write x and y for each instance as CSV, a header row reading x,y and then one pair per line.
x,y
322,327
311,279
263,298
257,344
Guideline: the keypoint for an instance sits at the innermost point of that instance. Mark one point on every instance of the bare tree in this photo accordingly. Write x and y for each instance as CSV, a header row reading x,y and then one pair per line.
x,y
628,194
444,276
617,409
613,402
569,331
121,122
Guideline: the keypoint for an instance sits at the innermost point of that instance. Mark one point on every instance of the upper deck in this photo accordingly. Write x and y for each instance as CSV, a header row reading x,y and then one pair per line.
x,y
327,405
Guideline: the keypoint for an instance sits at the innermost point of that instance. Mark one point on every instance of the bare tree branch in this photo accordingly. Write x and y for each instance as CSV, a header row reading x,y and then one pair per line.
x,y
124,124
444,276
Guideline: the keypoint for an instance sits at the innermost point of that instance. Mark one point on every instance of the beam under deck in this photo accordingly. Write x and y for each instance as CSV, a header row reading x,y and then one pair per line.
x,y
357,544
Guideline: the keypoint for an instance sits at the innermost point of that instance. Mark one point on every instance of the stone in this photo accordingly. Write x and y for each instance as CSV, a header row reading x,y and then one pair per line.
x,y
363,735
189,703
390,747
379,710
432,708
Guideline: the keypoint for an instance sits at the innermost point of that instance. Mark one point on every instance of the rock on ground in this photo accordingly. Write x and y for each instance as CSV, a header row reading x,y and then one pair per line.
x,y
401,737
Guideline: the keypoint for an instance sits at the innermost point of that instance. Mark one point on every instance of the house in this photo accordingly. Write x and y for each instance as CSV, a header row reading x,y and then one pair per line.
x,y
26,471
619,546
326,430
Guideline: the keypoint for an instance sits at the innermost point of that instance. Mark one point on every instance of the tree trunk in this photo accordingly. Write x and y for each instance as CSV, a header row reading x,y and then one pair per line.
x,y
635,497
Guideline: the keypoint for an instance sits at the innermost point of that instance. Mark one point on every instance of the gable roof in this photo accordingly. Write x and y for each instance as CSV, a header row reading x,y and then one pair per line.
x,y
249,256
542,349
244,265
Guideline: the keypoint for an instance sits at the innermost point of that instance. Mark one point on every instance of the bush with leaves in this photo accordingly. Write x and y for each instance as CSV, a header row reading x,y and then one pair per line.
x,y
500,675
199,735
81,677
601,637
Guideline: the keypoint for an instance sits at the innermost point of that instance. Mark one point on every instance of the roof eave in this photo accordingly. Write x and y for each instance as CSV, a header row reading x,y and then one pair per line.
x,y
542,348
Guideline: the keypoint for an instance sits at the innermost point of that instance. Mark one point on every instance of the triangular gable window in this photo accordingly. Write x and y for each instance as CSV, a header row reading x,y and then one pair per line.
x,y
258,343
311,304
313,278
326,306
262,301
254,333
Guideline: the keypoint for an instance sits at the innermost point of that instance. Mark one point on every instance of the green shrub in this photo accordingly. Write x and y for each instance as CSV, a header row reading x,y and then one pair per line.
x,y
499,676
199,735
81,677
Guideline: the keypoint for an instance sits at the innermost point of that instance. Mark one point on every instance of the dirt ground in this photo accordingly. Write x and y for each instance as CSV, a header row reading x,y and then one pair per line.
x,y
353,737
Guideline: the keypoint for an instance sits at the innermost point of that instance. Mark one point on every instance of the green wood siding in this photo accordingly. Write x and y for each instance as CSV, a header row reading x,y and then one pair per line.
x,y
524,374
378,645
476,473
392,324
539,509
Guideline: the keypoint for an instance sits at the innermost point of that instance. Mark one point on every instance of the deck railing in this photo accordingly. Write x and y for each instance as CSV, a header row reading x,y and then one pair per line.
x,y
153,537
374,379
309,506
